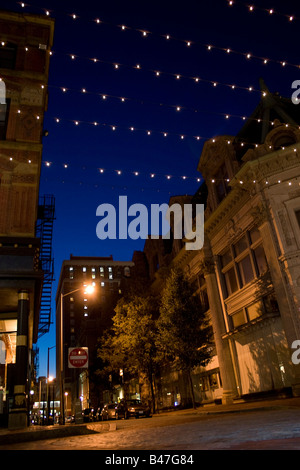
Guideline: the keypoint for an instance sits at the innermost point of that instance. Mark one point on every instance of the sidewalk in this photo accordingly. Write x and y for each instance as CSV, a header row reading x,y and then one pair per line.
x,y
34,433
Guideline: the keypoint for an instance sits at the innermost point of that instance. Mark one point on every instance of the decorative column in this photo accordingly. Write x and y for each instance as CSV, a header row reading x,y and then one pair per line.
x,y
18,414
222,345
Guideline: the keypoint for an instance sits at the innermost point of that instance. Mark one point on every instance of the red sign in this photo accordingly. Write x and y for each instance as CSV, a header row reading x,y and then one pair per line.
x,y
78,358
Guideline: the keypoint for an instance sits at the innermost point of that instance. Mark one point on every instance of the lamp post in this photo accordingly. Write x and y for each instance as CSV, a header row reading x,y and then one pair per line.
x,y
49,379
87,290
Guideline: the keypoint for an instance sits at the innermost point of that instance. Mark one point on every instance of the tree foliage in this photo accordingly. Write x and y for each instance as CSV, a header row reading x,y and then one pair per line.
x,y
184,334
132,342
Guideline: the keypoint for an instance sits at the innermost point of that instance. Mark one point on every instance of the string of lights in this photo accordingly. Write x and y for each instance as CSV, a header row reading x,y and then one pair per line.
x,y
165,134
123,99
168,177
267,183
146,33
156,73
209,47
270,11
152,175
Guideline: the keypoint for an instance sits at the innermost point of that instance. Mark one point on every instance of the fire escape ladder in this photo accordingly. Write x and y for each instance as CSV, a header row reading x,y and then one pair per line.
x,y
44,231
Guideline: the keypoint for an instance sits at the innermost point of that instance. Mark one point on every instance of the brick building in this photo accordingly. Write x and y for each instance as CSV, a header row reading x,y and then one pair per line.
x,y
81,318
25,44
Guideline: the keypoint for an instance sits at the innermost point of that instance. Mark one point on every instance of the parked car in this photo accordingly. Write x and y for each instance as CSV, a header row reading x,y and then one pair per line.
x,y
70,419
108,411
126,409
88,415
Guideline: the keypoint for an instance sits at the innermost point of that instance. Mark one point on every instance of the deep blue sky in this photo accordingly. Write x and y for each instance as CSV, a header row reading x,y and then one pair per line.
x,y
80,188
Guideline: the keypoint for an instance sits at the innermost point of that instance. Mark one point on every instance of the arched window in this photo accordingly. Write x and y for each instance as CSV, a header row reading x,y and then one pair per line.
x,y
283,139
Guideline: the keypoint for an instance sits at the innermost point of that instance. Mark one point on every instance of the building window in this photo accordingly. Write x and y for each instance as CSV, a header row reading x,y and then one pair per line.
x,y
243,262
8,54
127,271
84,269
267,304
297,214
4,111
221,183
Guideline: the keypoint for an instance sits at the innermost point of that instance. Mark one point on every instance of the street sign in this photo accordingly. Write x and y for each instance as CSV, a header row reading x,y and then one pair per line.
x,y
78,358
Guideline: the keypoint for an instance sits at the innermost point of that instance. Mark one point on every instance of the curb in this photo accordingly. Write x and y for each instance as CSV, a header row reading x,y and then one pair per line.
x,y
57,432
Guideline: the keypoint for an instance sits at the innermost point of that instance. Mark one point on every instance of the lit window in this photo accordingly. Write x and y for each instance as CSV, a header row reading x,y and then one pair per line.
x,y
84,270
71,268
102,284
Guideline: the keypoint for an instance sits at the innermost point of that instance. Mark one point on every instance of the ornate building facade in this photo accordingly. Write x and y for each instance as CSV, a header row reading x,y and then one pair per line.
x,y
248,271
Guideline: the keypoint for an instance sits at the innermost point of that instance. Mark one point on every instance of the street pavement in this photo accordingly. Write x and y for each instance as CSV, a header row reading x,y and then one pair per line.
x,y
259,425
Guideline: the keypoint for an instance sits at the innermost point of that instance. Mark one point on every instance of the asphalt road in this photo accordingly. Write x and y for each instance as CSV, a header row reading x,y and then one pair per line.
x,y
255,430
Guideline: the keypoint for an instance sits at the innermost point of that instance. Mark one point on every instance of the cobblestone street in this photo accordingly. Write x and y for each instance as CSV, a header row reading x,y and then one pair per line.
x,y
275,429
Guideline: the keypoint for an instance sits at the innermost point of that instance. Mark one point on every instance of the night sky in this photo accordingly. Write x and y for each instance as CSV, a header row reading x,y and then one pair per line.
x,y
150,104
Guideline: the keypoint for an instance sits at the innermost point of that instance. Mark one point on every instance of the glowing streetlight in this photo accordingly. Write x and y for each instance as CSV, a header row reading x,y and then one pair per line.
x,y
86,290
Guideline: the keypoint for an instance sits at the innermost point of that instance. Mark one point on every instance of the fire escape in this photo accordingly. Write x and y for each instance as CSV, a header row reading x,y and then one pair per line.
x,y
44,231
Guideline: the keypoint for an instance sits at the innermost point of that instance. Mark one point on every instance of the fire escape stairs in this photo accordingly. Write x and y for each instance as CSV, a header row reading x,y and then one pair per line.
x,y
44,231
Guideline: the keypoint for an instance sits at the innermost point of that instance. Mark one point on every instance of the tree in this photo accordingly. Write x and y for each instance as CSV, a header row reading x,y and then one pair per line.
x,y
132,344
184,335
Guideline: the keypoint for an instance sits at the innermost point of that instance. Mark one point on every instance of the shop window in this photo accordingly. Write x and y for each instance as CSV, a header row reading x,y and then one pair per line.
x,y
213,380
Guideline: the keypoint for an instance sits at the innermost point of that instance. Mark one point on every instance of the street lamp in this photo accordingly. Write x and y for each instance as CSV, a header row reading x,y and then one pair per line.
x,y
87,290
49,379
